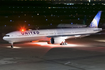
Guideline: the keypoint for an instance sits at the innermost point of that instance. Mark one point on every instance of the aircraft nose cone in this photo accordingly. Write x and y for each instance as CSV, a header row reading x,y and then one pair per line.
x,y
4,38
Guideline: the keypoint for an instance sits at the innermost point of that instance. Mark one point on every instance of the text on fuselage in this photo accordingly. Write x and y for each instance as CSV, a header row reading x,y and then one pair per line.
x,y
30,32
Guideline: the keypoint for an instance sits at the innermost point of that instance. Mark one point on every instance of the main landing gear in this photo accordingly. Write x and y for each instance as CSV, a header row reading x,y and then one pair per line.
x,y
63,43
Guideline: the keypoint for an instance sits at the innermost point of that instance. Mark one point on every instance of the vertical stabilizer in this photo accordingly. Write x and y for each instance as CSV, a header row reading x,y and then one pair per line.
x,y
96,20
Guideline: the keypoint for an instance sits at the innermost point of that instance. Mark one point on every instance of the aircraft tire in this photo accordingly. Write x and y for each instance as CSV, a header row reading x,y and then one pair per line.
x,y
11,46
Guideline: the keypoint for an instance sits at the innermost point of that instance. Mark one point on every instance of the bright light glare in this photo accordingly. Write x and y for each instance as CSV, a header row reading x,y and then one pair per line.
x,y
54,45
100,40
22,30
40,43
15,47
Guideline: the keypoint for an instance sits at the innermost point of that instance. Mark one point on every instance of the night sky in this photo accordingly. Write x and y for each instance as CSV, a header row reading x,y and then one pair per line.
x,y
47,14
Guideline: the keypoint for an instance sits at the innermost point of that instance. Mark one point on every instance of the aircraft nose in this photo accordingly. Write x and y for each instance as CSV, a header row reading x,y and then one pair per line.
x,y
4,38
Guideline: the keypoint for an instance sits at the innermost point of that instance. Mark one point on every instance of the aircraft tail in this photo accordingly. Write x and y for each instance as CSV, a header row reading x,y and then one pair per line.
x,y
96,20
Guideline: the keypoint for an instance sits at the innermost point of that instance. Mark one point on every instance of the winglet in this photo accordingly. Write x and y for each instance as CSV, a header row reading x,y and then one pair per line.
x,y
96,20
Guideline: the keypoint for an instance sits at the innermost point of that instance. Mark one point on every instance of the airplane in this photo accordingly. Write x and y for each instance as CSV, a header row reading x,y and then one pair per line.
x,y
54,36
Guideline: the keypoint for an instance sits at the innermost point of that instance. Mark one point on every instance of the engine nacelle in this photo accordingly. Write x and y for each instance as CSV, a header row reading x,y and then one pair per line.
x,y
57,40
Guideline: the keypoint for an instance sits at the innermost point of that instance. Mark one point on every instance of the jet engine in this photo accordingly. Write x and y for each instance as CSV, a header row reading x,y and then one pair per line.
x,y
57,40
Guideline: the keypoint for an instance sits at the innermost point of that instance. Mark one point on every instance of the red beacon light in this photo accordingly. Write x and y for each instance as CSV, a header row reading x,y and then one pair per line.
x,y
22,30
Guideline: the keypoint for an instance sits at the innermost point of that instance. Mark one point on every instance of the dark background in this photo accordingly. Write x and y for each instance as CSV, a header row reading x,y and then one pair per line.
x,y
37,14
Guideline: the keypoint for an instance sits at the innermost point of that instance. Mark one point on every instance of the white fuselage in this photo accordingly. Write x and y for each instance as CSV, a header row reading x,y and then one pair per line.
x,y
31,35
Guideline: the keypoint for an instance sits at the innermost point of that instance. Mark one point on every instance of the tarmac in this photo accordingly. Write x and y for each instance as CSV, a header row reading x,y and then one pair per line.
x,y
86,53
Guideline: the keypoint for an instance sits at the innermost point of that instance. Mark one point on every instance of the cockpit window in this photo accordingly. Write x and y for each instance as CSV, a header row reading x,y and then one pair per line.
x,y
7,35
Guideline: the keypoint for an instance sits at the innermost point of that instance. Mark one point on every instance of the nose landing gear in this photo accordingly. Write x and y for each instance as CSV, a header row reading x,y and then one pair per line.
x,y
11,44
